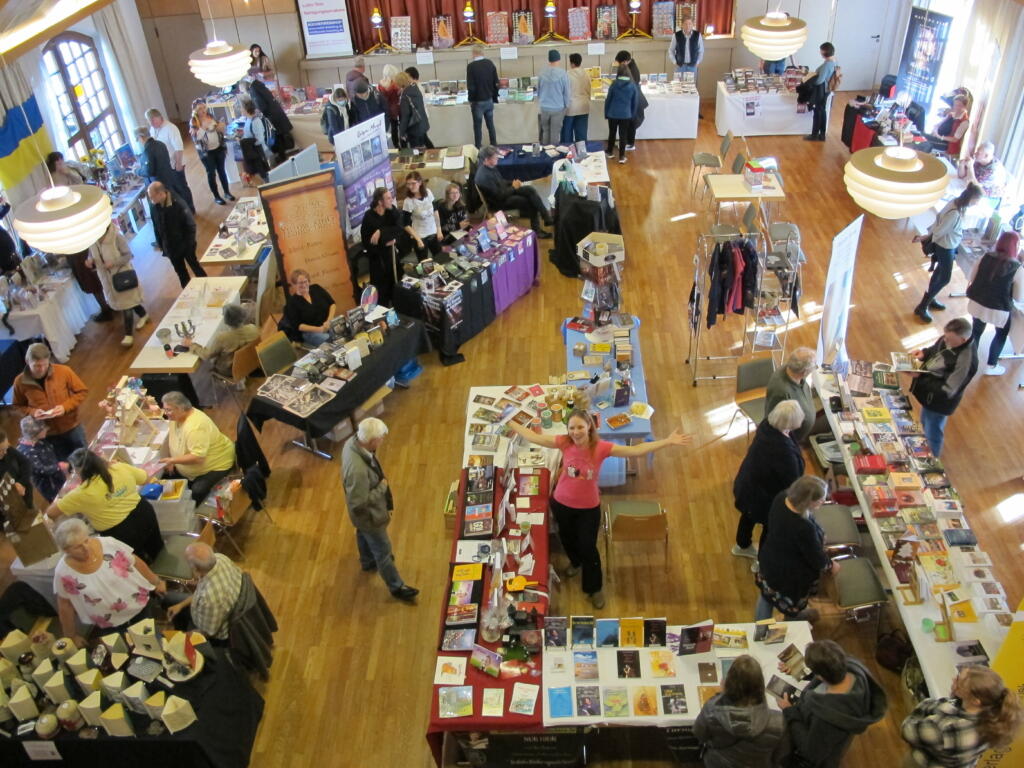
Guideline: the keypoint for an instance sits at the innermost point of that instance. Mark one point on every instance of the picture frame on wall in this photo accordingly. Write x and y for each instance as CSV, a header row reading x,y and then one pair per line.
x,y
522,27
579,23
663,19
401,33
684,10
606,25
443,31
496,32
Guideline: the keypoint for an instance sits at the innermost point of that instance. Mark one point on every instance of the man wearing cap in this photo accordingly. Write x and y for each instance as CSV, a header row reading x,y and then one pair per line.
x,y
366,104
553,95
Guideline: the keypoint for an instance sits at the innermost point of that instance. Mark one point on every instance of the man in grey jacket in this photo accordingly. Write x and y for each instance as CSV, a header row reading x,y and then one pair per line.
x,y
370,505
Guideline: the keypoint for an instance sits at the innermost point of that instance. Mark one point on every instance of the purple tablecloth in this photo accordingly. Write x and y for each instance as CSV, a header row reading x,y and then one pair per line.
x,y
517,274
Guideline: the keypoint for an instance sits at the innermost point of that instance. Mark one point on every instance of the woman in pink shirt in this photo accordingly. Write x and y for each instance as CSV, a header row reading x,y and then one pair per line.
x,y
576,502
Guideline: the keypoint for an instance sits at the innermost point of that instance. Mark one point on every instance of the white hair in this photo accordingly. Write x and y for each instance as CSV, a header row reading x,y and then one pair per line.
x,y
200,556
986,145
389,72
786,415
371,429
71,532
176,399
802,361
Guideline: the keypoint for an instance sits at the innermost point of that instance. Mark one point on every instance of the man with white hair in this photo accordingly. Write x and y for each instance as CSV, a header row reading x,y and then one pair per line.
x,y
370,505
790,383
985,170
220,582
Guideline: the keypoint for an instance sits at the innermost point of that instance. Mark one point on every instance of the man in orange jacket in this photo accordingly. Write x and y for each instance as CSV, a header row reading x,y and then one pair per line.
x,y
52,392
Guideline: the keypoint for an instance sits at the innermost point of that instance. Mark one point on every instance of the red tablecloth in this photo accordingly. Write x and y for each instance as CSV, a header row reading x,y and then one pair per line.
x,y
474,677
862,136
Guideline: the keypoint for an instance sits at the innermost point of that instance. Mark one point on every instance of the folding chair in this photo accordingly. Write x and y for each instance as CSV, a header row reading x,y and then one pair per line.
x,y
634,520
224,517
244,362
170,564
702,161
751,383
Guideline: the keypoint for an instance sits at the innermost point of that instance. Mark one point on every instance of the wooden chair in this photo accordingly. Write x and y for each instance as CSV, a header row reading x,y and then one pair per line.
x,y
509,212
170,564
634,520
276,354
244,362
751,384
225,517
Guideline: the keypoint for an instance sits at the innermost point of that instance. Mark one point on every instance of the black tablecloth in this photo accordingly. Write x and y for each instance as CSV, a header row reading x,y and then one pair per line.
x,y
477,314
575,218
401,345
228,713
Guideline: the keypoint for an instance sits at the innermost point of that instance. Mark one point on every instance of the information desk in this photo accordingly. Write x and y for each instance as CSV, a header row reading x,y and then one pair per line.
x,y
228,712
938,660
761,114
229,251
60,317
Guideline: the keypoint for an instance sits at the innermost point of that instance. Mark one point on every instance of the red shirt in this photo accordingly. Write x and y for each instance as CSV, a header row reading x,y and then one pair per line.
x,y
581,467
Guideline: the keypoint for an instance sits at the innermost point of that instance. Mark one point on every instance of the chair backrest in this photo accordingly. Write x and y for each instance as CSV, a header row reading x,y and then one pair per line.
x,y
276,354
724,148
915,114
738,162
245,361
754,374
640,528
207,535
749,217
483,200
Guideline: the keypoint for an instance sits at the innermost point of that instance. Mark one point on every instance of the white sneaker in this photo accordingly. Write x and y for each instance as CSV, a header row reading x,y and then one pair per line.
x,y
995,370
631,147
609,155
127,341
141,322
622,160
755,567
750,551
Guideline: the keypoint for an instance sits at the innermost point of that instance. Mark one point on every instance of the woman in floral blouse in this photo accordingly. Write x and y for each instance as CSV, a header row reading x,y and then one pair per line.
x,y
100,581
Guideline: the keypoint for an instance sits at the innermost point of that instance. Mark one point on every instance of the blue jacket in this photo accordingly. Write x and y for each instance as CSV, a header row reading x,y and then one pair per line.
x,y
622,99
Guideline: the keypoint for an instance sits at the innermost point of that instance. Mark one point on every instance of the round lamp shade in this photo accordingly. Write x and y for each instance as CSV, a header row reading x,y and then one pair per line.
x,y
220,64
774,36
895,182
64,219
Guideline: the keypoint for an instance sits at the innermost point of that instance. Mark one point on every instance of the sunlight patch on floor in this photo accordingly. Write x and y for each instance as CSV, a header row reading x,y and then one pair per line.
x,y
920,339
718,420
1011,509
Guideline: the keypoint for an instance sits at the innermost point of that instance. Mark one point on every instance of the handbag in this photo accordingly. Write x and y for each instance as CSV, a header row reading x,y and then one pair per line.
x,y
927,245
125,281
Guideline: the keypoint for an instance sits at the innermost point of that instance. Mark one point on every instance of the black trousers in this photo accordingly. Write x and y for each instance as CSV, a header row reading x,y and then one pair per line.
x,y
213,162
529,203
202,485
819,121
129,318
139,531
622,127
577,529
431,247
182,257
745,532
941,275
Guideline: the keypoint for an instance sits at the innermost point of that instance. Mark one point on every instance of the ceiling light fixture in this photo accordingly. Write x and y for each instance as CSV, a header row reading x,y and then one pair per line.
x,y
64,219
895,182
219,64
774,36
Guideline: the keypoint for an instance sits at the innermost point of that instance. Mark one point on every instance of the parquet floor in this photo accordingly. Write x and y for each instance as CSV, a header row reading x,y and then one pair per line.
x,y
352,673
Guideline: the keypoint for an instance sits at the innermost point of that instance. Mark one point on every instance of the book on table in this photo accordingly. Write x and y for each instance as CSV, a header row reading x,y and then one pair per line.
x,y
696,638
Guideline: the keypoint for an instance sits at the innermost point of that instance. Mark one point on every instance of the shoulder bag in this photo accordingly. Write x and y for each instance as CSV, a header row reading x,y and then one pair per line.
x,y
127,280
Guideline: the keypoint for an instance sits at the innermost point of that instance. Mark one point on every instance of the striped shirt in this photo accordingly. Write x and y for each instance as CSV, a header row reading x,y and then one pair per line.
x,y
942,735
215,596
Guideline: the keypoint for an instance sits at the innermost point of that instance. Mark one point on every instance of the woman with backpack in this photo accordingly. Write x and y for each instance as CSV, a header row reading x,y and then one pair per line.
x,y
253,139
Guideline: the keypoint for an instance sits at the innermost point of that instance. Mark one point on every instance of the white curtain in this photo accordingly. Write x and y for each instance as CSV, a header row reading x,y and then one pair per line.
x,y
123,43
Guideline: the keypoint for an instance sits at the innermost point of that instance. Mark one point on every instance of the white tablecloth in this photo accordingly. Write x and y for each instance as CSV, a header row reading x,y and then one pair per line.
x,y
59,318
774,114
245,253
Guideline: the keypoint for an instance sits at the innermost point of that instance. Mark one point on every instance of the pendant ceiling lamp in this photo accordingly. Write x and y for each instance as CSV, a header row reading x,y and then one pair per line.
x,y
774,36
895,182
64,219
219,64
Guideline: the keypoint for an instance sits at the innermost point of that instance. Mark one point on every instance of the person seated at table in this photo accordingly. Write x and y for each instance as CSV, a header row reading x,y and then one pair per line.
x,y
100,581
235,335
949,134
501,194
13,463
48,474
209,607
381,230
21,596
424,223
200,452
309,309
108,497
52,392
985,170
452,212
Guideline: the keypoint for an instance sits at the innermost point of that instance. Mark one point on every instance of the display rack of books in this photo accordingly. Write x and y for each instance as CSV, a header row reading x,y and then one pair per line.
x,y
953,607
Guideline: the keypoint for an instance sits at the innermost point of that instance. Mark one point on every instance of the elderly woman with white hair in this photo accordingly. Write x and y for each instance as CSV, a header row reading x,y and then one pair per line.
x,y
370,505
772,463
99,581
790,383
390,93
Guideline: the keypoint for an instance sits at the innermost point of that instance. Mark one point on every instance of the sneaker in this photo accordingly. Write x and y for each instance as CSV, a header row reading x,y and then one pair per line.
x,y
571,571
631,147
750,551
622,160
609,155
995,370
127,341
406,593
141,322
597,599
755,567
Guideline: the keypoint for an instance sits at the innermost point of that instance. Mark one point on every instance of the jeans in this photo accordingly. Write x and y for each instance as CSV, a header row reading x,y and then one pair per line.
x,y
934,425
941,275
574,128
66,442
213,162
577,530
375,549
181,258
622,126
129,318
483,110
315,338
775,67
551,126
995,349
681,68
763,610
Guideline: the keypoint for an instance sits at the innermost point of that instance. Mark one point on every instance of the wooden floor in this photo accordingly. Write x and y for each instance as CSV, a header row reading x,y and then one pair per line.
x,y
352,673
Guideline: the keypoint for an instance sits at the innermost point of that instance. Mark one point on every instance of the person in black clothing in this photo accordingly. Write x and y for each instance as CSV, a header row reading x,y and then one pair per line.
x,y
274,112
452,212
10,258
309,309
500,194
366,104
624,57
414,75
413,123
18,467
336,114
792,555
20,595
156,164
176,230
773,462
482,82
381,230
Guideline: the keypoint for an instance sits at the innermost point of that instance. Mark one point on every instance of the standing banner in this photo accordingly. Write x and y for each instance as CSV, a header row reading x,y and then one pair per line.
x,y
1008,664
325,28
306,229
923,49
835,312
362,153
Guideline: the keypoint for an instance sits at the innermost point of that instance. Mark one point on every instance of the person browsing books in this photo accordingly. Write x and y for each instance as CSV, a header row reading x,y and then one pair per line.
x,y
790,383
209,607
53,393
48,474
482,83
371,505
576,502
841,701
15,464
620,108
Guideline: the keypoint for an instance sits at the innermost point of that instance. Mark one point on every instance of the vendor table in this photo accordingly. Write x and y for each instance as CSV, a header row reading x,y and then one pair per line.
x,y
225,251
432,170
402,343
938,660
761,114
575,218
527,167
60,317
228,712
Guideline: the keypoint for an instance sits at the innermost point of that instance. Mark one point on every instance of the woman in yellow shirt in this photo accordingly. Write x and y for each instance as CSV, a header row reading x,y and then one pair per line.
x,y
108,497
200,452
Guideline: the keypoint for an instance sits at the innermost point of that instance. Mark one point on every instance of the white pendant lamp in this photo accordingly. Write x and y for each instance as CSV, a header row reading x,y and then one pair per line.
x,y
220,64
774,36
64,219
895,182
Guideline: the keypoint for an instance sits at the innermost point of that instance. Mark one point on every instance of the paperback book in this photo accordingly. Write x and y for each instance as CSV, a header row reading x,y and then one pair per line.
x,y
588,701
696,638
616,701
628,664
555,628
673,699
582,631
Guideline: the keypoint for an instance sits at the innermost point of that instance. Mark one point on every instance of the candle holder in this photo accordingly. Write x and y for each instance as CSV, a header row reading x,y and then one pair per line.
x,y
185,330
634,11
550,36
469,16
380,46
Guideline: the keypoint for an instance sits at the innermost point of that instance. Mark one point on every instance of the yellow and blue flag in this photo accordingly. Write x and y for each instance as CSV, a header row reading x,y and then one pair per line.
x,y
23,141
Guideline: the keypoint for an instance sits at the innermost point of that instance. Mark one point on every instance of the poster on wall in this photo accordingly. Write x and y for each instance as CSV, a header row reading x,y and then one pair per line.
x,y
305,226
835,307
923,49
325,28
663,18
362,153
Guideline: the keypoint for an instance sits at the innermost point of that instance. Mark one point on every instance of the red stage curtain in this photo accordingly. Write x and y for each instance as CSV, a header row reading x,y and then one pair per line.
x,y
716,12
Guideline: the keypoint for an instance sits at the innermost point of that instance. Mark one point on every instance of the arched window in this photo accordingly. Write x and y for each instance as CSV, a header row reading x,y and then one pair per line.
x,y
75,75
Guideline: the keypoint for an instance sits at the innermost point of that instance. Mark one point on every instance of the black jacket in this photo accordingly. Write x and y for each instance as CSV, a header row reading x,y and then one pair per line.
x,y
740,737
270,107
951,370
412,112
176,227
822,725
482,80
992,286
493,186
248,452
772,463
19,468
364,109
792,556
156,163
